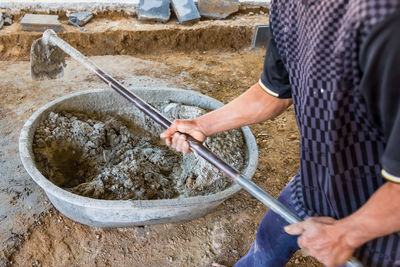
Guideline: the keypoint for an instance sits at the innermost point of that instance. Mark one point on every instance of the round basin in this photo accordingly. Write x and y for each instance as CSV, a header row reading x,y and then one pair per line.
x,y
118,213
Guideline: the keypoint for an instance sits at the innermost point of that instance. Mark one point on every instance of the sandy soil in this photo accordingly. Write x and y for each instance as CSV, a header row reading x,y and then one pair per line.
x,y
128,36
224,235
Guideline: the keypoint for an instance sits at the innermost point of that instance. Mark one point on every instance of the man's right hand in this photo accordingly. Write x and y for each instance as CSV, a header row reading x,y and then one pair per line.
x,y
253,106
173,135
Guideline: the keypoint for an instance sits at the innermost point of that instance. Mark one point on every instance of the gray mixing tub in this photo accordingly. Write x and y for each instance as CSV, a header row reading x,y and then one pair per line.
x,y
117,213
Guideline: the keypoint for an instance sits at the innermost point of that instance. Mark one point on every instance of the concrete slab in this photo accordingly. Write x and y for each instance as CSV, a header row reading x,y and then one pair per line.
x,y
80,18
156,10
261,36
218,9
33,22
186,11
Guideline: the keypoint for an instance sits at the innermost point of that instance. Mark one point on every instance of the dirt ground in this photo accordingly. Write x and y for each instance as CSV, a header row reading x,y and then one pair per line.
x,y
128,36
222,236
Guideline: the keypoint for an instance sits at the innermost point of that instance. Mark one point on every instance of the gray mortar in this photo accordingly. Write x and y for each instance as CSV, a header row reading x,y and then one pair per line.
x,y
104,157
116,213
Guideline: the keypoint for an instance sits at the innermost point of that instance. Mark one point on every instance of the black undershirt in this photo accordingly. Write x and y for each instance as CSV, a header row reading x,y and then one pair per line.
x,y
379,61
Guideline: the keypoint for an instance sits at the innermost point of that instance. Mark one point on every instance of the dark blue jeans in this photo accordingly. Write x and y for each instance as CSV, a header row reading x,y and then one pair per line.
x,y
273,246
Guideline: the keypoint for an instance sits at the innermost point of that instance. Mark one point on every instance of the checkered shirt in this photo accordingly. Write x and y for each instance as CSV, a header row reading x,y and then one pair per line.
x,y
319,42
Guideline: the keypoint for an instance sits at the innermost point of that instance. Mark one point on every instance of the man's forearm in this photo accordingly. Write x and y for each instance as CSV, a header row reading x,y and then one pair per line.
x,y
253,106
379,216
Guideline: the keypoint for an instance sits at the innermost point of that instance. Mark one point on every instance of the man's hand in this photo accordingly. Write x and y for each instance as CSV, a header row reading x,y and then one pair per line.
x,y
322,239
175,139
253,106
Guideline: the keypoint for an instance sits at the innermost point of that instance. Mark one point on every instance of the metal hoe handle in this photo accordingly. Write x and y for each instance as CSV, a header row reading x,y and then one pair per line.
x,y
51,37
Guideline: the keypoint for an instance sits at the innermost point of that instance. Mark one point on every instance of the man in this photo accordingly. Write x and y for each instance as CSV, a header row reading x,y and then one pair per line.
x,y
338,62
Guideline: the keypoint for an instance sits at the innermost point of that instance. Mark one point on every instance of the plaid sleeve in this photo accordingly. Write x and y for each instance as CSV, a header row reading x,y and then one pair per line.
x,y
275,78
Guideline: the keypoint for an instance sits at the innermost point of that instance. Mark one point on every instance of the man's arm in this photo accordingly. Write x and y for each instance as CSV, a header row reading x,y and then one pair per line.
x,y
264,100
253,106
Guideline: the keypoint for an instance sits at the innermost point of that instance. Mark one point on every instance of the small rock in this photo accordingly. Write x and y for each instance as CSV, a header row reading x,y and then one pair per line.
x,y
128,183
234,251
297,261
8,19
251,13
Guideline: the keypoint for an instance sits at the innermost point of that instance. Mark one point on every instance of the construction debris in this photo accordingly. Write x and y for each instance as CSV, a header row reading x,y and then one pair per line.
x,y
8,19
186,11
79,19
33,22
155,10
218,9
261,36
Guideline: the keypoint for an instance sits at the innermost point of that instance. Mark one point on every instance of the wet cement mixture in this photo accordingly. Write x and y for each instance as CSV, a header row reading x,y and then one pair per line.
x,y
106,157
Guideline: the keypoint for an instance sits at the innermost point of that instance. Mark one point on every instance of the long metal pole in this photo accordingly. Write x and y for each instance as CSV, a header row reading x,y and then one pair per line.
x,y
51,37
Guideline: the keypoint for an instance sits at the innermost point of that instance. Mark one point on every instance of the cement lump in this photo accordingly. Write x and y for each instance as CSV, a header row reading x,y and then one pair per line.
x,y
104,156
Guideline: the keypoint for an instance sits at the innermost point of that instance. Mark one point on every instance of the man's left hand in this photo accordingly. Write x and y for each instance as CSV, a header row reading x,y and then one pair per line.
x,y
324,239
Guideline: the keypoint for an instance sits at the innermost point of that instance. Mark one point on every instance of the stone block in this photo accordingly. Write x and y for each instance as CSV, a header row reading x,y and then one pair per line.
x,y
80,18
186,11
33,22
155,10
261,36
218,9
